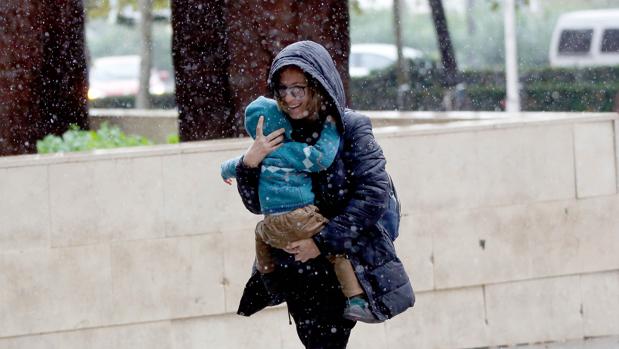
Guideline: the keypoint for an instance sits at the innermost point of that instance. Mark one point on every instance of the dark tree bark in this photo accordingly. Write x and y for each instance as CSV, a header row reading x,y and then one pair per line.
x,y
43,72
448,57
233,52
200,57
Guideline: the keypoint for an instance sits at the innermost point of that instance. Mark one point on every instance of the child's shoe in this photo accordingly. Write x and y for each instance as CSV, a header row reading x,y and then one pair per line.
x,y
357,310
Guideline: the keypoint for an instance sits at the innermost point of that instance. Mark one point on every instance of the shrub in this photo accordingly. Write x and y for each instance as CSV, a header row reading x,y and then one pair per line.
x,y
588,89
75,139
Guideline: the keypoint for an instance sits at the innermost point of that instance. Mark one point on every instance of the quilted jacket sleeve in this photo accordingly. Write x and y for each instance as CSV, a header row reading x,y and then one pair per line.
x,y
228,167
369,186
247,184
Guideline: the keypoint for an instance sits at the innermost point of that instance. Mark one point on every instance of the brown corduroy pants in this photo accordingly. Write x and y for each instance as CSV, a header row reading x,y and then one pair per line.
x,y
303,223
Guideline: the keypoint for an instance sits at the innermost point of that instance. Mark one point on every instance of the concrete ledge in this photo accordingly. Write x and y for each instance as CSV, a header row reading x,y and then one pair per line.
x,y
157,125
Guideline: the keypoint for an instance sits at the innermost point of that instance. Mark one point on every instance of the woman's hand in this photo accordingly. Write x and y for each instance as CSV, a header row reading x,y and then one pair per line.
x,y
262,145
303,250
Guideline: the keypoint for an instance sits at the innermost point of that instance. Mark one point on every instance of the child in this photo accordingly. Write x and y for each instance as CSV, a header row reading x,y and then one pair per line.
x,y
286,197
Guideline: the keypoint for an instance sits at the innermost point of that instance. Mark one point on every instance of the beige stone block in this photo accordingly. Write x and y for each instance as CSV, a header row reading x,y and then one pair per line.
x,y
434,172
553,244
596,223
490,245
474,247
368,336
534,311
600,303
616,129
239,255
197,201
441,319
74,208
99,201
167,278
520,165
415,249
52,290
595,159
482,168
152,336
267,329
24,203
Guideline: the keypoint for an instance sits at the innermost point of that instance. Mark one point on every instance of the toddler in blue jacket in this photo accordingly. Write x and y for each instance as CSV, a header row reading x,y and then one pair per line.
x,y
286,197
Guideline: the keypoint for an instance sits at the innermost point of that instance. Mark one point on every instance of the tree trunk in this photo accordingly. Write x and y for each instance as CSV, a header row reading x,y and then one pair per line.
x,y
222,57
471,54
512,102
402,65
43,73
200,58
146,62
448,58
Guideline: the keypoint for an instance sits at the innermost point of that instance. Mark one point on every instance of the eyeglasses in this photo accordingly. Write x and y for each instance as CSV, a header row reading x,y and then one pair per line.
x,y
297,92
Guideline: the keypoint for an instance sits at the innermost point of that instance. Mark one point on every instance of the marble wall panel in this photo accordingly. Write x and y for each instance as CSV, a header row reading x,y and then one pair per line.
x,y
24,203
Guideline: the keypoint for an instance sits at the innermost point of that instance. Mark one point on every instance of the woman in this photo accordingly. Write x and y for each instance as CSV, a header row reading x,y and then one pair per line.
x,y
355,193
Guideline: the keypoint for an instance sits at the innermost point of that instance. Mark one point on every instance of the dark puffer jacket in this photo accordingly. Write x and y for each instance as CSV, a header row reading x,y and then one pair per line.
x,y
355,193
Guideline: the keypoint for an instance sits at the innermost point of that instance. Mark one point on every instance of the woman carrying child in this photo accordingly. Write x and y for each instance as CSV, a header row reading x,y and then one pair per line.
x,y
354,193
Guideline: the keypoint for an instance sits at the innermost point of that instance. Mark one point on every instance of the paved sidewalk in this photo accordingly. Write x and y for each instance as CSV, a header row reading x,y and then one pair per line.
x,y
591,343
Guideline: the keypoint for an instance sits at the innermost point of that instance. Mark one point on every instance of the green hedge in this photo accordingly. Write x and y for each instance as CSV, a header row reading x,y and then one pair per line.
x,y
75,139
106,137
591,89
165,101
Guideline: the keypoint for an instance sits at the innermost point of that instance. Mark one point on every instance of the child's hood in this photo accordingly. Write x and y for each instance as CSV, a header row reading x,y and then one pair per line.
x,y
274,118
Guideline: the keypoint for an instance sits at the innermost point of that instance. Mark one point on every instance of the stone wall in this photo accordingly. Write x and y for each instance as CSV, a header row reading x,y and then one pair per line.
x,y
510,233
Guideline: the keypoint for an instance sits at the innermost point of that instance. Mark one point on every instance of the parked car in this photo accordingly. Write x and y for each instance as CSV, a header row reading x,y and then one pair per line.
x,y
585,38
119,76
365,58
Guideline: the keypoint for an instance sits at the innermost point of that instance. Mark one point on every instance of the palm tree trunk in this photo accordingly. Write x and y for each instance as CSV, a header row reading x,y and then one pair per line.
x,y
512,103
448,57
222,51
146,62
43,85
200,58
402,65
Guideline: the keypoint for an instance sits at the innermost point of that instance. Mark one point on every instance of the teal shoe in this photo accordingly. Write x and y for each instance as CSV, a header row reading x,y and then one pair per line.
x,y
357,310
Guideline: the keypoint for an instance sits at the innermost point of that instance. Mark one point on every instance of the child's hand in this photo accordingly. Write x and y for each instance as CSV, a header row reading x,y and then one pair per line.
x,y
228,181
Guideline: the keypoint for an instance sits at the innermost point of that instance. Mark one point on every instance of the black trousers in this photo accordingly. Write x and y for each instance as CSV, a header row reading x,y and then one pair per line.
x,y
316,303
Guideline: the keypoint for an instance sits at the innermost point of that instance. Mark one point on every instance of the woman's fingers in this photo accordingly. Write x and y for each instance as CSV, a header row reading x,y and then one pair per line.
x,y
275,142
274,139
276,134
262,145
259,131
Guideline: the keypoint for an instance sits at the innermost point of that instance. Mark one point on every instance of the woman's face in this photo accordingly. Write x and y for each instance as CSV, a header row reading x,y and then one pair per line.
x,y
293,93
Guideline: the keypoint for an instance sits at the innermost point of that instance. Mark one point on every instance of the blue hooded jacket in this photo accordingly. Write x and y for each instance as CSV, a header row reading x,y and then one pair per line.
x,y
285,182
355,193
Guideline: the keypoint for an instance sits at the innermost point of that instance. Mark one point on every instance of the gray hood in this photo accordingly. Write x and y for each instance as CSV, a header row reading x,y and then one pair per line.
x,y
314,60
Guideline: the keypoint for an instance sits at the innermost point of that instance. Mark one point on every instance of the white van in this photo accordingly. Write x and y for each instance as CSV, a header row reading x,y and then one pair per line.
x,y
586,38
